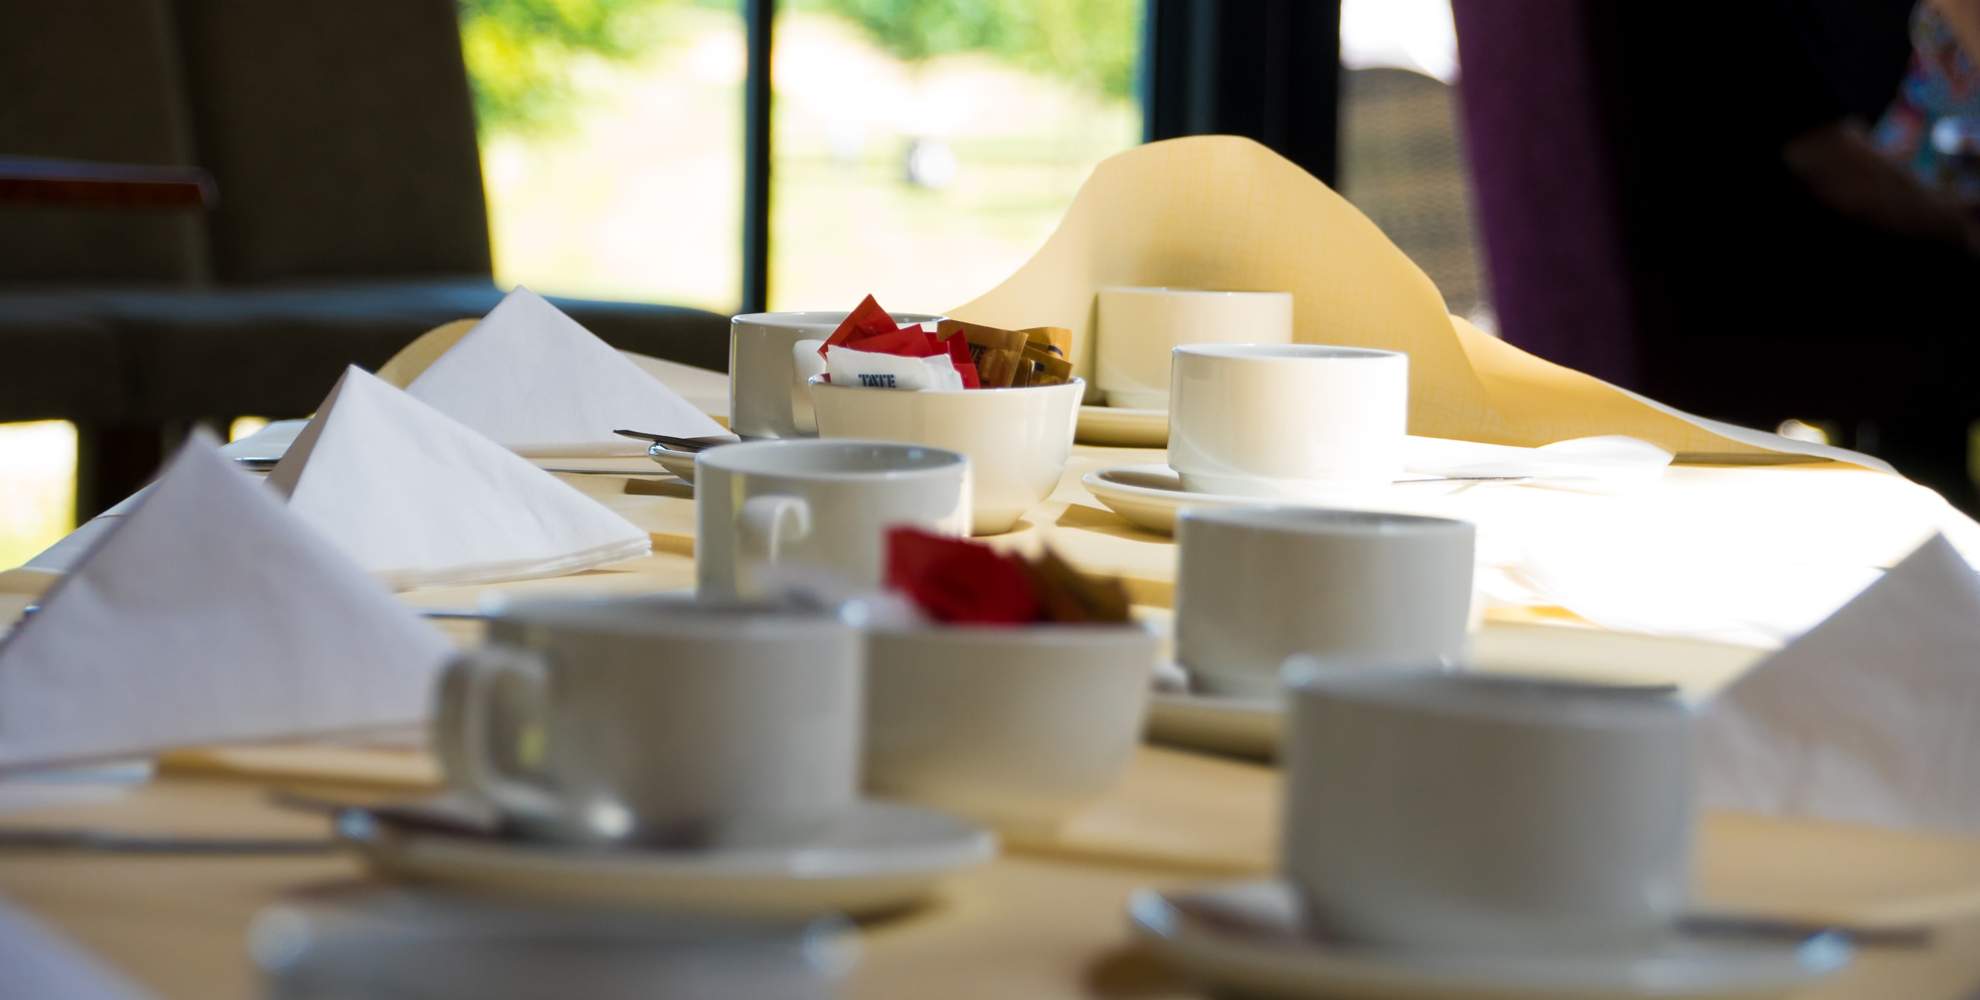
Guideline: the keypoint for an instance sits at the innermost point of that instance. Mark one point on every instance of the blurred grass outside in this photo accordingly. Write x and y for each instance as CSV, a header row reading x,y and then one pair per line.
x,y
846,220
637,195
37,487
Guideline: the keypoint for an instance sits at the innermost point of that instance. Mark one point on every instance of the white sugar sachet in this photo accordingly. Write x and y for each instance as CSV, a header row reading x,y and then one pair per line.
x,y
890,371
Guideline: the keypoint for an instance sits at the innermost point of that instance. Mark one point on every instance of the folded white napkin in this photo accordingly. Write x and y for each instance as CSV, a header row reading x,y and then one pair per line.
x,y
208,613
1873,716
536,382
419,499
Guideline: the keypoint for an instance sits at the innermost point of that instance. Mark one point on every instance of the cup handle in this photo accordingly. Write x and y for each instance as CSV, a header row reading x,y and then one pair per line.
x,y
467,690
763,525
805,363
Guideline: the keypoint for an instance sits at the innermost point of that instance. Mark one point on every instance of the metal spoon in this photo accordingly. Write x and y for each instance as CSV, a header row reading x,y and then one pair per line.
x,y
91,839
687,444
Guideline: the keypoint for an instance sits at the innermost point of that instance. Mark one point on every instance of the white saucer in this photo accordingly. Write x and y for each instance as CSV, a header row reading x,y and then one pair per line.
x,y
1247,938
1249,726
881,856
1123,427
1149,495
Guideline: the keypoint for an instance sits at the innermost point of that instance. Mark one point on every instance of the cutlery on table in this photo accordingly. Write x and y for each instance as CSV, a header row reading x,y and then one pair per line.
x,y
686,444
425,815
1704,925
93,840
434,614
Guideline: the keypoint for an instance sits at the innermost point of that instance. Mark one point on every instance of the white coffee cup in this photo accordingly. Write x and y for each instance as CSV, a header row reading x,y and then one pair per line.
x,y
1018,440
821,507
1448,811
662,720
767,398
1255,585
1139,327
1286,420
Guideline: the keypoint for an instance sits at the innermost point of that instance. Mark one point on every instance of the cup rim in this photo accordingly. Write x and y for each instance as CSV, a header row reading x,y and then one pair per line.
x,y
668,614
817,382
790,319
725,458
1332,522
1055,633
1180,291
1258,353
1434,689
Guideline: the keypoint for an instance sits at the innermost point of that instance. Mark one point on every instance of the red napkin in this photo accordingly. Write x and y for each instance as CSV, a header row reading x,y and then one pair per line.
x,y
959,581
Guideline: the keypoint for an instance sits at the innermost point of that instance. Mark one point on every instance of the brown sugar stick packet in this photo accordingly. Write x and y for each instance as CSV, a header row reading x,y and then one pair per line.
x,y
997,354
1045,355
1055,339
1042,368
1069,596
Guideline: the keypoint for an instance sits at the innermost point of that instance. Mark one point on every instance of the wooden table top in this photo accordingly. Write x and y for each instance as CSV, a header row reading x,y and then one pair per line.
x,y
1043,920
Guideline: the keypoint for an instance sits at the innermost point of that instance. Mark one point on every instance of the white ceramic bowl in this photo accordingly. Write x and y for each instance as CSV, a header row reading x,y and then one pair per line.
x,y
1017,440
1014,726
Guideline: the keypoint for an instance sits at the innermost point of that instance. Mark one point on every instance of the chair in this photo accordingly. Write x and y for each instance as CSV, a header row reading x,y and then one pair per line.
x,y
350,216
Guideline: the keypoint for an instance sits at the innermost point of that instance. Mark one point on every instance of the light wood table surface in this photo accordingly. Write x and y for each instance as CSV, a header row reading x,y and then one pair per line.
x,y
1044,920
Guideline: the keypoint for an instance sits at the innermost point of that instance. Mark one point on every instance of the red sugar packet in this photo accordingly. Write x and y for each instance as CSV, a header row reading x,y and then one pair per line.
x,y
867,320
960,582
869,328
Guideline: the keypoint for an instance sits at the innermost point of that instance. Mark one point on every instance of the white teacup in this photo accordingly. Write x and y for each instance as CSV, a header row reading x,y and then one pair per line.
x,y
1464,811
1255,585
1015,727
1138,327
766,373
822,507
661,720
1017,440
1286,420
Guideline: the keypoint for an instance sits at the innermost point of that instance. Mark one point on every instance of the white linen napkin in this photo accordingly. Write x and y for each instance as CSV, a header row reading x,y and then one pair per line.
x,y
536,382
421,500
1872,717
208,613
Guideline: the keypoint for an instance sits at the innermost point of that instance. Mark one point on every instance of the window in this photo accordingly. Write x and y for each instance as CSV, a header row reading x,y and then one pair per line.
x,y
611,145
919,149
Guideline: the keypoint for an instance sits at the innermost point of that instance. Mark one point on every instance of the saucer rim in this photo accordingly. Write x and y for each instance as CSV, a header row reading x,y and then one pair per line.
x,y
1139,420
1110,492
1211,954
962,844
